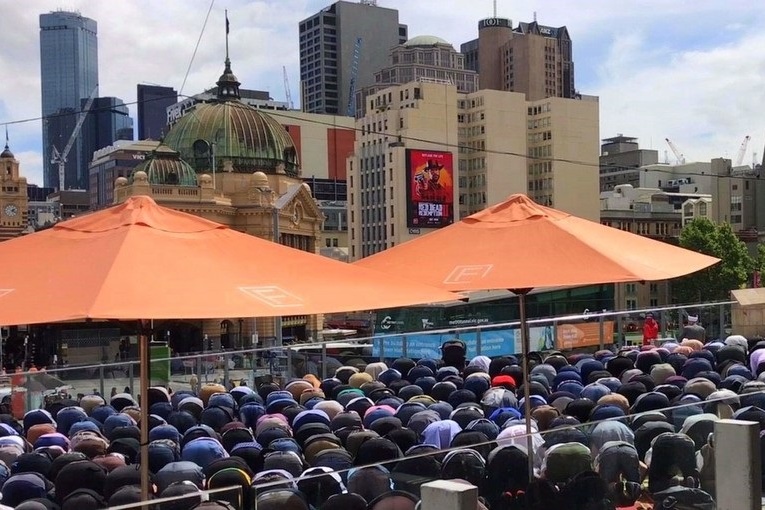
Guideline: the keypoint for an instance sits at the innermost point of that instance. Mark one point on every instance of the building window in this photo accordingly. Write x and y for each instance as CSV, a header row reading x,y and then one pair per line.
x,y
631,304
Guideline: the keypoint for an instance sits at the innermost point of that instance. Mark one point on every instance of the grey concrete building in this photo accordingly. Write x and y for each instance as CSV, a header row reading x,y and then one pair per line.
x,y
69,73
341,47
425,58
620,160
117,160
534,59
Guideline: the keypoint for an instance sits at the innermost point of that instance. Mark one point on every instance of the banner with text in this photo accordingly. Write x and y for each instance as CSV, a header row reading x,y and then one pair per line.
x,y
500,342
585,334
418,345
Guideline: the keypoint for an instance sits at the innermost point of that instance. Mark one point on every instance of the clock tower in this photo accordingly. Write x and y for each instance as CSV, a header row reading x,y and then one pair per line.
x,y
13,196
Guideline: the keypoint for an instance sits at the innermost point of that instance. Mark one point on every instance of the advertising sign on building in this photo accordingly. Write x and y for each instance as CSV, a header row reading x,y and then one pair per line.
x,y
586,334
430,188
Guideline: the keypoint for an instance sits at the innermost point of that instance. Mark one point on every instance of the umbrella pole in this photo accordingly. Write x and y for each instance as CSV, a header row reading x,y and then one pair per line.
x,y
143,349
526,390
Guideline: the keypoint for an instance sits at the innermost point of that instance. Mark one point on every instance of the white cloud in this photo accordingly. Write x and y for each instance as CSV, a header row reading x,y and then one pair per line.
x,y
650,61
30,165
704,101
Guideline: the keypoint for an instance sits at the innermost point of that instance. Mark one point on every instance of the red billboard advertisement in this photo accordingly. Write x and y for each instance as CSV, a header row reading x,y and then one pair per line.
x,y
430,188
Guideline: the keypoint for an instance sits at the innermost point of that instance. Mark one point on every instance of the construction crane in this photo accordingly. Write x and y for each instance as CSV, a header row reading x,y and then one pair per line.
x,y
741,151
59,158
351,111
678,155
287,92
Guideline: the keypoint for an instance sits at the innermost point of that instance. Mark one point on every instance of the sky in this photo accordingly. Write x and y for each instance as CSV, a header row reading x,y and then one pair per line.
x,y
690,71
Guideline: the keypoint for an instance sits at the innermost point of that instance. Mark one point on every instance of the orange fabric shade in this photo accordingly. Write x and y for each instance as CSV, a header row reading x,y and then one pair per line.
x,y
519,244
138,260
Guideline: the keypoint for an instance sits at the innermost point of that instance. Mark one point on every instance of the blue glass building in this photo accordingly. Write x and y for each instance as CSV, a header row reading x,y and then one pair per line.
x,y
69,72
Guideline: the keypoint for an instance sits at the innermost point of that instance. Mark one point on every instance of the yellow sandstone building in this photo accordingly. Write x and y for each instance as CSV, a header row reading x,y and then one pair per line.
x,y
231,163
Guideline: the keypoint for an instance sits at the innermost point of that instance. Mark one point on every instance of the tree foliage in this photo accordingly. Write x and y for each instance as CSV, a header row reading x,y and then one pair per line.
x,y
715,283
759,259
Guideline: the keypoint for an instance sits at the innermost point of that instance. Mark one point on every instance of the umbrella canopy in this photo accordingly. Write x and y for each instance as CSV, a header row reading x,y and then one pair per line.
x,y
519,244
138,260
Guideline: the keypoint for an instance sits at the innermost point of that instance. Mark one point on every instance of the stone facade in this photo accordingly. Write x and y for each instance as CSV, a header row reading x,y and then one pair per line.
x,y
13,197
240,169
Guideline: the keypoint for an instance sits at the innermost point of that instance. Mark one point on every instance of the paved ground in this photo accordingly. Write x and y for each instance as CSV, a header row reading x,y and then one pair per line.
x,y
120,381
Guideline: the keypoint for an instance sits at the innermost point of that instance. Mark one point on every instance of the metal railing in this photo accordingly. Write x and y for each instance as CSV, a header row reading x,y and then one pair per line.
x,y
404,479
590,330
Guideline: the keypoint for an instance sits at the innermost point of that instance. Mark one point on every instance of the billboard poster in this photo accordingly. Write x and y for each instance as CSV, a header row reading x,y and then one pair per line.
x,y
541,338
586,334
430,188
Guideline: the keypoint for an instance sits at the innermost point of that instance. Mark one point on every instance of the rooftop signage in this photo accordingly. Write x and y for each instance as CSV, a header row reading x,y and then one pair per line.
x,y
495,23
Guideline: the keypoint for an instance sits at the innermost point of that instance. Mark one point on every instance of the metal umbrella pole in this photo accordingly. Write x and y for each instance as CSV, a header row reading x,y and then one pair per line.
x,y
143,355
525,348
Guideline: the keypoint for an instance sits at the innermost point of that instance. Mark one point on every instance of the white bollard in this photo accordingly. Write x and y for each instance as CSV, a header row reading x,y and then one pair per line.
x,y
738,470
448,495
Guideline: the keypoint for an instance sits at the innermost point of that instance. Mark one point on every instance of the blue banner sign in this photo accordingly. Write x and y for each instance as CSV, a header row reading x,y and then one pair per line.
x,y
494,343
419,345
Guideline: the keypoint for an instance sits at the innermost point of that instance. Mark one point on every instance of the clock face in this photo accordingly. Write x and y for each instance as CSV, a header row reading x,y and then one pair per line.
x,y
11,210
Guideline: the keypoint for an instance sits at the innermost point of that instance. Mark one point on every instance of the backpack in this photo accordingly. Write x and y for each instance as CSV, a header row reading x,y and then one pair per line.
x,y
453,354
672,454
586,491
543,495
464,464
507,475
618,460
683,498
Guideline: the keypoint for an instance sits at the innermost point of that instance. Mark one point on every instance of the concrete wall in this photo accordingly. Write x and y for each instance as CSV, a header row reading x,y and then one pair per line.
x,y
575,133
323,141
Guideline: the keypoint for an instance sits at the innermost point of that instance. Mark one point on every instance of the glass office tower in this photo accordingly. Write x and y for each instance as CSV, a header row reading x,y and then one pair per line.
x,y
69,73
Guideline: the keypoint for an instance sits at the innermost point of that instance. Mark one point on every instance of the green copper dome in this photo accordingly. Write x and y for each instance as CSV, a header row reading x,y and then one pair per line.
x,y
165,166
250,139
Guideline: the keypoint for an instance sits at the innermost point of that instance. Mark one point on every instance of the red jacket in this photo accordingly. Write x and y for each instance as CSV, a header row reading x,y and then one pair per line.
x,y
650,331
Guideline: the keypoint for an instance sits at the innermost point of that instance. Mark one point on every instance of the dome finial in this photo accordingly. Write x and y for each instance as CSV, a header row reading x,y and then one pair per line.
x,y
7,151
228,85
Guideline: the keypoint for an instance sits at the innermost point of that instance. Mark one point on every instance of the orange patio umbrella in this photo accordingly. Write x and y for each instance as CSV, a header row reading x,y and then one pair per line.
x,y
139,261
520,245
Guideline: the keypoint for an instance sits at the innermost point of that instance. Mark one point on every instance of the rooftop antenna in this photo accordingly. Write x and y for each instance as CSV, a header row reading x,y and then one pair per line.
x,y
6,137
495,8
535,16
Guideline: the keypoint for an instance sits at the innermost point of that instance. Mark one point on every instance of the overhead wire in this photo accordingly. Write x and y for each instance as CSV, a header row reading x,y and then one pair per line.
x,y
285,114
196,47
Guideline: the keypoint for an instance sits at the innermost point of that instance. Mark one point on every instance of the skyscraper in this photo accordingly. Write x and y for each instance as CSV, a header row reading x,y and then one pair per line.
x,y
534,59
107,121
341,47
69,74
153,101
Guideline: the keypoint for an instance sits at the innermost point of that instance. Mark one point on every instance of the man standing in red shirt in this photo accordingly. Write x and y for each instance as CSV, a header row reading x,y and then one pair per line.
x,y
650,329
